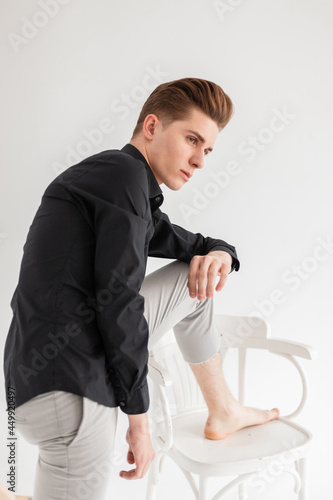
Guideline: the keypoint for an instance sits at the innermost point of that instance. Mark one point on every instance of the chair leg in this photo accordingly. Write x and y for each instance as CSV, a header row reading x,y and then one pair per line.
x,y
301,467
242,492
151,490
153,477
203,488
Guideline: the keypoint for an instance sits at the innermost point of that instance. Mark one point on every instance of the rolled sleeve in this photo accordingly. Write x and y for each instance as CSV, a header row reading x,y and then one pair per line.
x,y
174,242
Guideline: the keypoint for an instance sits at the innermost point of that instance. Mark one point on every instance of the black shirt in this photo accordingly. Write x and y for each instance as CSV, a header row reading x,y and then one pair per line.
x,y
78,323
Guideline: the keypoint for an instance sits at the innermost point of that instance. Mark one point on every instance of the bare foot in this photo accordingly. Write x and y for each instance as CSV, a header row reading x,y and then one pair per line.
x,y
222,425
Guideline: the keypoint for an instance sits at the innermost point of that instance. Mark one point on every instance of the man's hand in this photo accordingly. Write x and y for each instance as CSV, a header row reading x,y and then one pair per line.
x,y
140,449
203,272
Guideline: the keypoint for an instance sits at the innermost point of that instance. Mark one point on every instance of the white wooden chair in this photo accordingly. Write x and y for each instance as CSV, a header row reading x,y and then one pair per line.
x,y
178,415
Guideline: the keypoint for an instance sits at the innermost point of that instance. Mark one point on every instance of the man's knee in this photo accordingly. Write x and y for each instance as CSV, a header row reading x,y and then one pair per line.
x,y
182,270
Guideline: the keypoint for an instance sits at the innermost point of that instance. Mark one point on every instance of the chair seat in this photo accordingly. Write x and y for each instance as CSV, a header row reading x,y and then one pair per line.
x,y
247,450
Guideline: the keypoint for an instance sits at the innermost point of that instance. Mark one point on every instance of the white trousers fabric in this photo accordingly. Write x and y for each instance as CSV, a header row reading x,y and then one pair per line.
x,y
168,305
75,435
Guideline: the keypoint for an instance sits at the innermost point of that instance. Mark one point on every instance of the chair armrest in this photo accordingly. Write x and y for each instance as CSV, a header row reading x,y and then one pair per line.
x,y
158,373
163,432
282,346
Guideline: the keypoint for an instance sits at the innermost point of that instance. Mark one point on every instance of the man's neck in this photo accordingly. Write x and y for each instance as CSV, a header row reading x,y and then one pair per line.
x,y
140,146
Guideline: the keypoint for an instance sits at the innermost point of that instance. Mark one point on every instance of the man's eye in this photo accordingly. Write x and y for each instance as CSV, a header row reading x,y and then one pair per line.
x,y
193,138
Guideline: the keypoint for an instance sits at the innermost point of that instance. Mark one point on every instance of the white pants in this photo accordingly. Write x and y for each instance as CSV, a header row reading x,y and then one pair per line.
x,y
75,435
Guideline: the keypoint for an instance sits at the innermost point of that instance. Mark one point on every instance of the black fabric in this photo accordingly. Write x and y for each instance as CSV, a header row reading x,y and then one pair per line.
x,y
78,322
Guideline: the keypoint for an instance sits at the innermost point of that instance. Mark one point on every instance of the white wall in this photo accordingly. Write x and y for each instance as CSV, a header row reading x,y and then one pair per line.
x,y
72,74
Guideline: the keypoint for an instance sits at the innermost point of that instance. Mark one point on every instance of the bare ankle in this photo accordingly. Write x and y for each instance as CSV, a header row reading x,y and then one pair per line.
x,y
226,410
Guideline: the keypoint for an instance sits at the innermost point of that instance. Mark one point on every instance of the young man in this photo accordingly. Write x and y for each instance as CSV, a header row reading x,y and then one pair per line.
x,y
83,308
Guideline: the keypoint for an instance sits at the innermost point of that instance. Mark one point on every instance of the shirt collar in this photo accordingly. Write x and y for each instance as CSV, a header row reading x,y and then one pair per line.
x,y
155,192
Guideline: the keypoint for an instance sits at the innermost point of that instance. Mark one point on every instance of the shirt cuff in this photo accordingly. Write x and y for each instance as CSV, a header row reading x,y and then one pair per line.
x,y
135,402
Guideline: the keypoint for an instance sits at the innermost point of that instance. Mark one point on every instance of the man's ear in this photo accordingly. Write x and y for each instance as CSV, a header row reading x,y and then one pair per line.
x,y
149,126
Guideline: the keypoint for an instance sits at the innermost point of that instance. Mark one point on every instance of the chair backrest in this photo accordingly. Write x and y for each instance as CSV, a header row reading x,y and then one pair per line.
x,y
235,329
185,395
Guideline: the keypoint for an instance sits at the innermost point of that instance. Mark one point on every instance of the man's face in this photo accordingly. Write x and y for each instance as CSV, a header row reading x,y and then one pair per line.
x,y
176,152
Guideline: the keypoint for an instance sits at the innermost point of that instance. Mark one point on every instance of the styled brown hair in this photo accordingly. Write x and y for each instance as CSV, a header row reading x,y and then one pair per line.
x,y
175,100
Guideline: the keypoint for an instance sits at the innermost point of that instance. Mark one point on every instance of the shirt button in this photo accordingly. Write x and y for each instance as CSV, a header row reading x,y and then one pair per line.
x,y
122,403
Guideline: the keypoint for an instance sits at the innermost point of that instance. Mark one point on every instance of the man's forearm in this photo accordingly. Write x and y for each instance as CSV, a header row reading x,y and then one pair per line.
x,y
139,421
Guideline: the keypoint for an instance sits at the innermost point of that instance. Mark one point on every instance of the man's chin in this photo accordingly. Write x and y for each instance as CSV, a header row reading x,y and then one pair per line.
x,y
174,186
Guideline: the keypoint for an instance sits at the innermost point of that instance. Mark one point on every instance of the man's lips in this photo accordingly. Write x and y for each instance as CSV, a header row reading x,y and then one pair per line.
x,y
187,174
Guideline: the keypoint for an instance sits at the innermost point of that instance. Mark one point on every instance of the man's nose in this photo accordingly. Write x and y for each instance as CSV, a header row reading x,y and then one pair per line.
x,y
198,159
